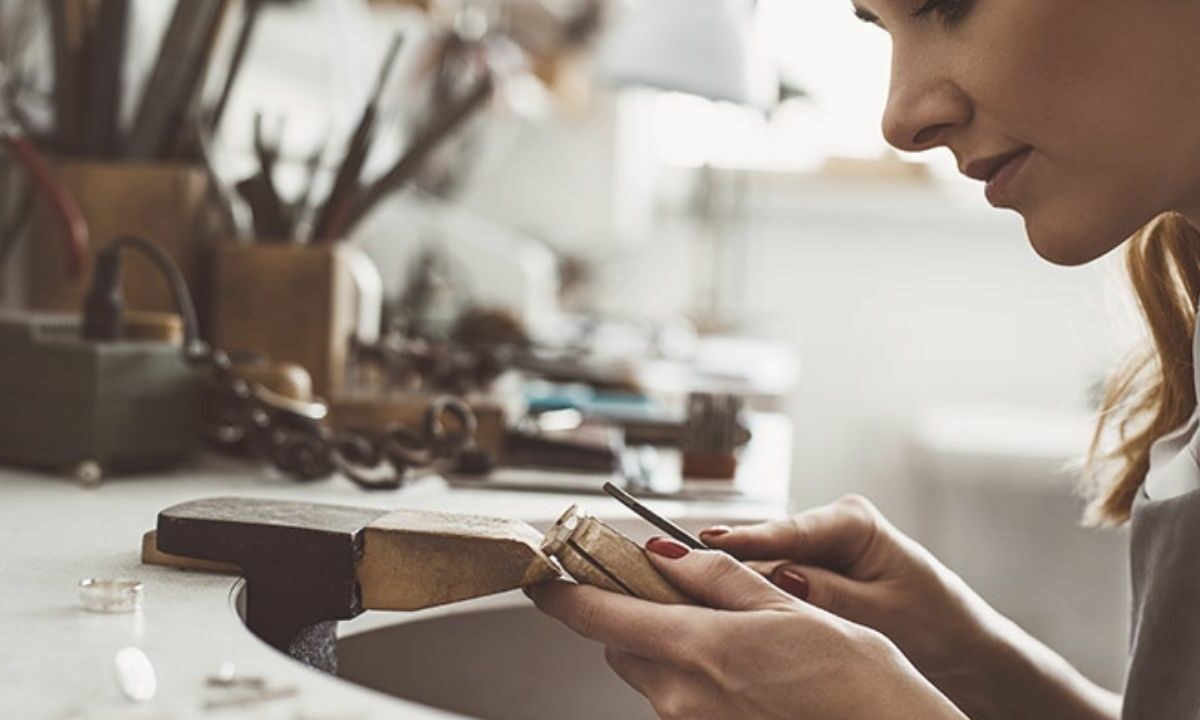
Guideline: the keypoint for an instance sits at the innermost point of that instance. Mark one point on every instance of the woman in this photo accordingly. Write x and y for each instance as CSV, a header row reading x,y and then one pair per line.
x,y
1081,115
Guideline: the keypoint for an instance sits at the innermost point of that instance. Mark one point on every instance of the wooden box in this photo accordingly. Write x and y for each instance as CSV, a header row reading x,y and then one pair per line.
x,y
165,203
292,303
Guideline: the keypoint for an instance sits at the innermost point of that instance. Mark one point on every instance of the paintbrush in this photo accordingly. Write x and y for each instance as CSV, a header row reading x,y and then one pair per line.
x,y
173,82
251,11
410,163
345,183
107,57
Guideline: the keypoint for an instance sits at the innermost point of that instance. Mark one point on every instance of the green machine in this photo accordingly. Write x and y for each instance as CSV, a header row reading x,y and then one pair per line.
x,y
93,408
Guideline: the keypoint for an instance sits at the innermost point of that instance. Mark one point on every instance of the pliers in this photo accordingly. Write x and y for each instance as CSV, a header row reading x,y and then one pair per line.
x,y
65,209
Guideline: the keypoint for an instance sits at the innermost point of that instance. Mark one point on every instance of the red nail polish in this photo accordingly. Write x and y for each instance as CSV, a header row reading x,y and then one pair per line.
x,y
791,581
716,531
666,547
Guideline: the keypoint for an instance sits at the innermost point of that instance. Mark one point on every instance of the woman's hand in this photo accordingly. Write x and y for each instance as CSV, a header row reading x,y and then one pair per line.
x,y
753,651
847,559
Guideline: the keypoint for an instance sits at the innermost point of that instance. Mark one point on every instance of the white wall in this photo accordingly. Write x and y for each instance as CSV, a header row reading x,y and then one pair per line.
x,y
897,304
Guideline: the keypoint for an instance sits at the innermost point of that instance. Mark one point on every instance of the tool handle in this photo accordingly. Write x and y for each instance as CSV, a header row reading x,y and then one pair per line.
x,y
66,211
412,160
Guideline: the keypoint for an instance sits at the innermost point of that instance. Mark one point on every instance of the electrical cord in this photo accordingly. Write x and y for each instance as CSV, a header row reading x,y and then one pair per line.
x,y
104,305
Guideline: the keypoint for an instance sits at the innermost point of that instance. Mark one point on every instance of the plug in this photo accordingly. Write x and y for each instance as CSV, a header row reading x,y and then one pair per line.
x,y
104,306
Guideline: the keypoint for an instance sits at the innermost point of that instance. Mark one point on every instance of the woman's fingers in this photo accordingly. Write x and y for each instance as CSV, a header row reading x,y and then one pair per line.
x,y
627,623
835,536
765,567
715,578
822,588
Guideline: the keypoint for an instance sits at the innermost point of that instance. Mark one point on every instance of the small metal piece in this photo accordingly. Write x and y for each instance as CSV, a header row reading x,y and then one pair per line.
x,y
225,674
88,473
654,518
110,596
596,554
335,715
227,677
135,674
253,698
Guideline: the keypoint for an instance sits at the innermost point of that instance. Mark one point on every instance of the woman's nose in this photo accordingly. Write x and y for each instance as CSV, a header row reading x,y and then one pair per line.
x,y
922,110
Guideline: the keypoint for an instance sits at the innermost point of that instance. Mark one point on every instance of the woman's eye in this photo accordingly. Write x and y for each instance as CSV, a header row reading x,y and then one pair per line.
x,y
951,11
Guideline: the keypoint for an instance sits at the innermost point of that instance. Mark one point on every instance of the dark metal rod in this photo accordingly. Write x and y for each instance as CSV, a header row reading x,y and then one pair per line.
x,y
251,11
108,56
345,183
654,518
413,158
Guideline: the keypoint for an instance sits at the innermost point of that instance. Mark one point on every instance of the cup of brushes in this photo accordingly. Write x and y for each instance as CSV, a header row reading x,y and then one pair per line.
x,y
155,180
298,292
149,179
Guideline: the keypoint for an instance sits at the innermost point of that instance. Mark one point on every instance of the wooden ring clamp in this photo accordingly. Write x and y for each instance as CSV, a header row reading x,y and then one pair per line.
x,y
309,565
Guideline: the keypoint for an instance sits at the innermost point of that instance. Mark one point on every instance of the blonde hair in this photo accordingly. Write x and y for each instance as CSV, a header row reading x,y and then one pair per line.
x,y
1154,392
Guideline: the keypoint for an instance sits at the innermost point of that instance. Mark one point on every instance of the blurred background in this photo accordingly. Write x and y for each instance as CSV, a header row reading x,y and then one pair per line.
x,y
711,173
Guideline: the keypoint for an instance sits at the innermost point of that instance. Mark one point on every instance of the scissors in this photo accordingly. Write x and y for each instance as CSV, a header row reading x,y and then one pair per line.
x,y
67,215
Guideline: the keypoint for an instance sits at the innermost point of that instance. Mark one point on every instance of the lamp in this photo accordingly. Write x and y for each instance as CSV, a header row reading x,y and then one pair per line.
x,y
700,47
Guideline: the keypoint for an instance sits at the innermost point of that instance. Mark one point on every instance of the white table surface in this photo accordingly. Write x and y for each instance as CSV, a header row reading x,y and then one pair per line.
x,y
56,659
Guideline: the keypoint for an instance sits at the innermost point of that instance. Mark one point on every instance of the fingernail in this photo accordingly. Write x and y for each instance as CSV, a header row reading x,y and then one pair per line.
x,y
791,581
715,532
666,547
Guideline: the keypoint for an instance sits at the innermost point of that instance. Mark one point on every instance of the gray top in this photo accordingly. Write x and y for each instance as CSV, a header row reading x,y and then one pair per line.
x,y
1164,670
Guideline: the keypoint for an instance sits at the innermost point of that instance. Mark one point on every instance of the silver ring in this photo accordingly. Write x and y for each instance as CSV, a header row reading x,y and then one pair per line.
x,y
110,596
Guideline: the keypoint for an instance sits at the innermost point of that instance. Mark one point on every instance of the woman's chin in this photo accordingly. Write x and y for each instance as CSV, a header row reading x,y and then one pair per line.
x,y
1071,248
1061,254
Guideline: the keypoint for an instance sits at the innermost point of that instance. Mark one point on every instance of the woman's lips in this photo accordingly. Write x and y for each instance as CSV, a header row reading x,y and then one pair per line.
x,y
1001,181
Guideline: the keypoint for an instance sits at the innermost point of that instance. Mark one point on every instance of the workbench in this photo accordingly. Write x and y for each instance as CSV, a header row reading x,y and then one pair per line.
x,y
58,658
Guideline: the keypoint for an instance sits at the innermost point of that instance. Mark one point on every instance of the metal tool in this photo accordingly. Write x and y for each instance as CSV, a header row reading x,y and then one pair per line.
x,y
307,565
175,79
68,32
251,12
107,49
713,424
273,219
345,184
62,205
427,140
654,518
65,210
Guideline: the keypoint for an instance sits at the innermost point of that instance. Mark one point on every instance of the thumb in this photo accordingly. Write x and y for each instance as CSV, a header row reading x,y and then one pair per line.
x,y
834,593
836,536
715,578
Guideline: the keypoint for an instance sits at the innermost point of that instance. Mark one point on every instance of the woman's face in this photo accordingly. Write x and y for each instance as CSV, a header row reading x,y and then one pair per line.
x,y
1089,108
